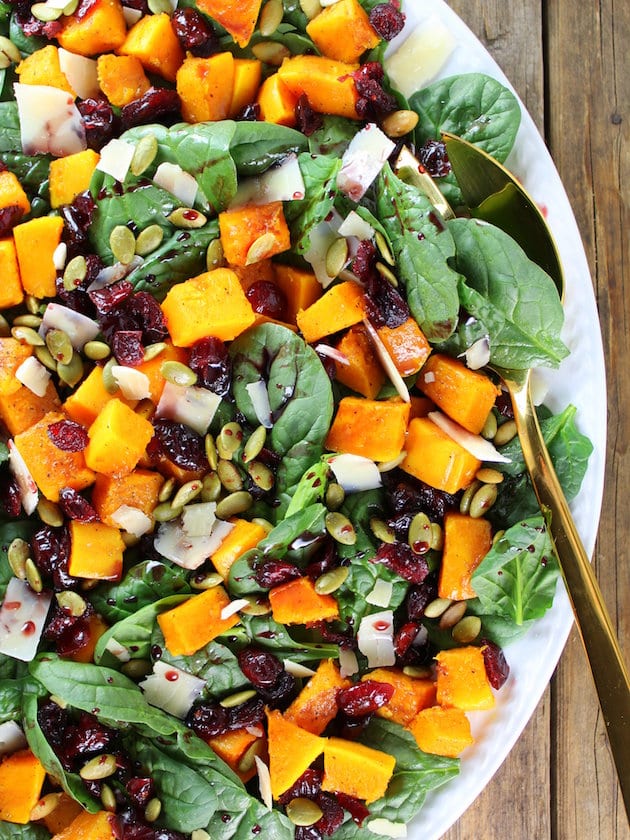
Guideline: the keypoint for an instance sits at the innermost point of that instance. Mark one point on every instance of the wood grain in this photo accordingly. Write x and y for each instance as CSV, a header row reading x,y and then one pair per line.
x,y
571,66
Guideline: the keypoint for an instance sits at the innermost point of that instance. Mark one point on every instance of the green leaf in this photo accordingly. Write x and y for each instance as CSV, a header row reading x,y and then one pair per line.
x,y
513,301
10,531
4,452
320,182
10,137
32,173
421,246
517,578
264,632
334,136
311,488
13,831
143,584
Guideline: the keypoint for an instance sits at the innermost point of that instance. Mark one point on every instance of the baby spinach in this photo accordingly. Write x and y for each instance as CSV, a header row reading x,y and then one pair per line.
x,y
10,137
257,146
142,585
333,136
14,831
320,181
512,301
32,172
264,632
311,488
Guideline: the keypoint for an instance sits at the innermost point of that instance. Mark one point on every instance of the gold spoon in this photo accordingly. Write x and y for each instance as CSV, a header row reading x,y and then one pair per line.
x,y
493,194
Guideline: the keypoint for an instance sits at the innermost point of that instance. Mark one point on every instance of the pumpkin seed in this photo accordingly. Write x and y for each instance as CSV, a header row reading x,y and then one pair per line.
x,y
452,615
467,630
206,580
303,811
436,542
186,493
499,534
9,53
419,537
148,240
122,243
311,8
381,530
335,496
229,476
214,255
229,440
60,346
211,451
211,487
489,475
154,806
257,605
108,799
238,698
435,608
177,373
146,148
399,123
28,320
505,433
340,528
45,13
260,248
187,218
331,581
44,356
254,444
200,834
248,759
489,429
417,671
49,513
152,351
483,500
33,577
469,492
271,52
72,602
234,504
261,475
109,382
18,553
96,351
100,767
336,256
44,806
71,7
166,490
387,274
136,669
165,512
145,408
383,247
74,273
5,328
72,373
28,335
270,17
32,304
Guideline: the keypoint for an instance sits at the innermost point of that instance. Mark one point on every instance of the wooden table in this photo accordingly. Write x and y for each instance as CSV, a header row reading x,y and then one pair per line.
x,y
570,63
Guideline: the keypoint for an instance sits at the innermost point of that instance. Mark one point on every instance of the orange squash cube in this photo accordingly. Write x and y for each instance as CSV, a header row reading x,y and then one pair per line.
x,y
466,543
242,227
277,102
467,396
88,826
21,778
12,194
152,368
356,770
121,78
407,345
328,84
247,76
96,627
152,40
35,243
316,704
343,31
232,746
442,731
301,288
239,19
363,373
52,468
297,602
191,625
87,401
291,751
341,306
372,428
435,458
462,681
66,810
139,489
100,29
96,551
11,291
71,175
12,354
42,68
210,304
243,536
410,694
205,87
20,410
118,438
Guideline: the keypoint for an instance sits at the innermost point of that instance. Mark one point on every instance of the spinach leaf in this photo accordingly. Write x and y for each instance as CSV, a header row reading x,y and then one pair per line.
x,y
32,173
10,137
142,585
512,300
300,397
256,146
11,691
320,182
334,136
264,632
516,580
311,488
13,831
422,246
26,44
4,452
9,667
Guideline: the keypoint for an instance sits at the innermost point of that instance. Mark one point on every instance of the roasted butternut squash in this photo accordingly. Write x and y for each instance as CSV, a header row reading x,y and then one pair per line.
x,y
343,31
297,602
239,19
232,746
42,68
12,194
138,489
341,306
300,288
247,76
121,78
316,704
462,681
35,243
71,175
328,84
410,694
87,401
442,731
118,438
86,826
20,410
21,778
99,29
435,458
153,42
372,428
96,551
466,543
205,87
11,291
243,536
191,625
253,233
363,372
356,770
277,101
12,354
291,751
407,345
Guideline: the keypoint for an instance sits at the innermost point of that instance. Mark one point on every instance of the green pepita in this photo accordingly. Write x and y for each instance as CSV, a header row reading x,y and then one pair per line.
x,y
186,493
336,256
271,52
148,240
340,528
9,53
387,274
136,669
483,500
505,433
71,7
435,608
335,496
399,123
206,580
211,487
311,8
97,351
234,504
229,476
257,605
489,475
100,767
467,495
123,244
28,335
45,806
238,698
152,351
74,273
381,530
154,806
44,356
49,513
383,247
60,346
166,490
72,602
467,630
187,218
32,304
419,672
211,451
254,444
45,13
452,615
303,811
331,581
261,475
72,373
18,553
214,255
490,427
145,151
177,373
165,512
108,799
109,381
419,536
29,320
248,759
437,537
260,248
229,440
33,577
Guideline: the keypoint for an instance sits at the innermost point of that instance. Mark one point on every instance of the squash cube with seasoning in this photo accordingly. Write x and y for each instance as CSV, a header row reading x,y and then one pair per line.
x,y
42,68
316,704
100,28
243,536
291,751
276,102
121,78
297,602
374,429
441,731
205,87
11,291
253,233
21,779
12,194
340,307
239,19
462,681
356,770
437,459
12,354
96,551
191,625
35,243
118,439
152,40
86,826
343,31
20,410
138,489
71,175
411,694
467,540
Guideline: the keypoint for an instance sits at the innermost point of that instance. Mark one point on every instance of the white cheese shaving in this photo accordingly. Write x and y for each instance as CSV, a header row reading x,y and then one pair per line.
x,y
60,255
375,638
259,396
348,662
132,520
332,353
188,404
279,183
478,354
264,782
386,828
22,619
80,72
12,737
118,651
50,122
187,551
363,160
354,225
355,473
174,179
296,669
33,375
171,689
420,56
25,481
116,157
381,594
388,363
478,446
198,520
134,384
233,607
79,328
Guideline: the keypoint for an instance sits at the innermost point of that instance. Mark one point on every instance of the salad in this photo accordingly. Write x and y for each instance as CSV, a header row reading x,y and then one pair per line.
x,y
266,526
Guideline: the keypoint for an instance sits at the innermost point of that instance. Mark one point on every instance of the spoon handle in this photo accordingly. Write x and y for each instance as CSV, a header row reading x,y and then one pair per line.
x,y
610,673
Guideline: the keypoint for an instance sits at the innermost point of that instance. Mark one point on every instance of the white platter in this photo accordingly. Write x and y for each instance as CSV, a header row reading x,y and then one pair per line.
x,y
581,381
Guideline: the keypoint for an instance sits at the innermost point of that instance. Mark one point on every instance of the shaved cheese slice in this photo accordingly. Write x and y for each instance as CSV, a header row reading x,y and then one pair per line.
x,y
25,481
296,669
188,404
321,237
116,158
111,273
171,689
420,56
12,737
348,662
363,160
187,551
50,122
80,73
354,225
478,446
332,353
260,400
355,473
118,651
264,782
22,619
381,594
174,179
375,638
233,607
132,520
79,328
478,354
131,15
133,383
34,375
279,183
198,520
388,363
386,828
60,255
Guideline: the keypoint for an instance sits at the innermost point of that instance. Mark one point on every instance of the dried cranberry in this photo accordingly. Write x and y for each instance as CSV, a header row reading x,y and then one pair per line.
x,y
51,553
387,20
140,790
497,668
53,721
404,638
419,596
400,558
77,218
353,806
210,360
434,157
10,496
352,727
194,32
385,305
208,720
68,435
307,832
250,113
267,299
87,736
504,405
308,121
138,5
9,217
152,106
179,443
127,347
75,638
345,639
250,713
75,506
364,262
274,572
280,692
147,315
374,101
325,560
99,121
308,785
412,496
364,698
260,667
332,817
110,297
